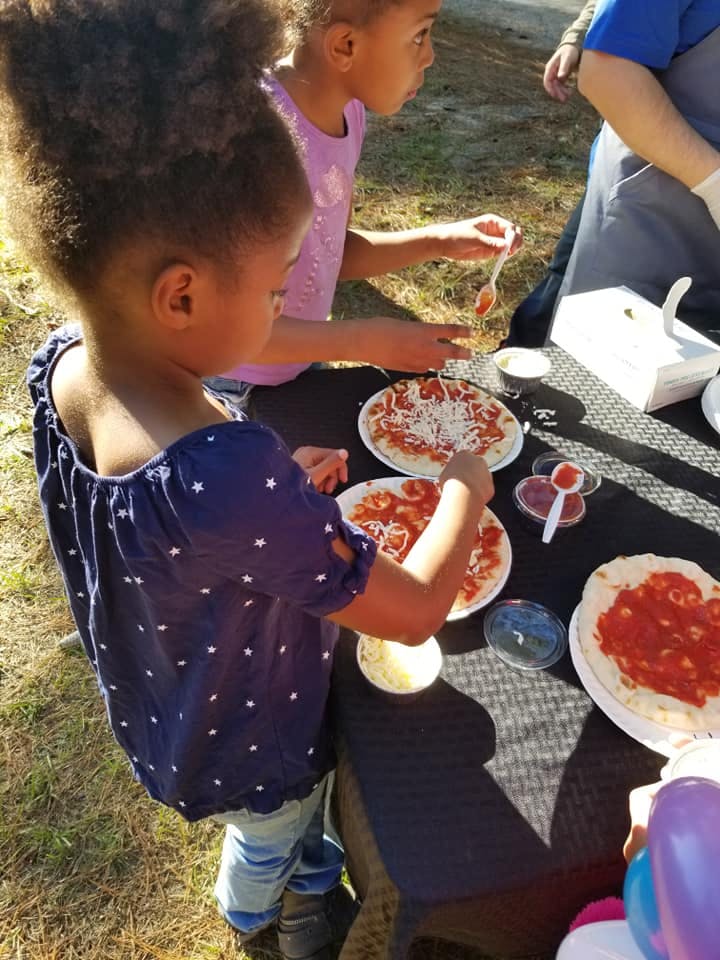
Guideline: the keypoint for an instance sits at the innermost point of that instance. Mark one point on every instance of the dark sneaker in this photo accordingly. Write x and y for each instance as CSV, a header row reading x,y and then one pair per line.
x,y
263,939
309,925
259,936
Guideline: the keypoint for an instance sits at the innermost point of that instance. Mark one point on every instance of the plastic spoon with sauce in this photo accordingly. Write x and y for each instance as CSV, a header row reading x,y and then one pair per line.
x,y
567,478
487,295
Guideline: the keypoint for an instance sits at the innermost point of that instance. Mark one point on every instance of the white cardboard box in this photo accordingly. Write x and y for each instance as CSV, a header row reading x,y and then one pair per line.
x,y
619,335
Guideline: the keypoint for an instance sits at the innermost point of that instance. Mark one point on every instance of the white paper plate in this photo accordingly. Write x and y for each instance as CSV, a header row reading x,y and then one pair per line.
x,y
511,455
650,734
606,940
711,403
353,495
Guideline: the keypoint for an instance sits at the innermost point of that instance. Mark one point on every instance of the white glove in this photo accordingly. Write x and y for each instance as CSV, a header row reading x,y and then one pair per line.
x,y
709,191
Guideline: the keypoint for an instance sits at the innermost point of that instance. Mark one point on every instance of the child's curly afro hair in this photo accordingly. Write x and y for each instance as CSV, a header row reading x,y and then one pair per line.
x,y
301,16
124,120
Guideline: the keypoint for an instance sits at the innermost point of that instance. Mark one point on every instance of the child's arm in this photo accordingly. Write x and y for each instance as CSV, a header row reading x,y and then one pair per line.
x,y
640,802
371,253
385,341
409,602
564,62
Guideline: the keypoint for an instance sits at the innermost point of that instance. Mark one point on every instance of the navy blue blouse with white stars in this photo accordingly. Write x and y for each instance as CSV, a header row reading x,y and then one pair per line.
x,y
199,584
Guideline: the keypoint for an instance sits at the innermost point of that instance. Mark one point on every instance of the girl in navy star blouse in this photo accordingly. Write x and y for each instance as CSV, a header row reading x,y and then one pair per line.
x,y
206,567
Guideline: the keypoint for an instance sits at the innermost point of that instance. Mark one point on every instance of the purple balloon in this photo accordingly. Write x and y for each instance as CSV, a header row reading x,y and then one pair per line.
x,y
684,843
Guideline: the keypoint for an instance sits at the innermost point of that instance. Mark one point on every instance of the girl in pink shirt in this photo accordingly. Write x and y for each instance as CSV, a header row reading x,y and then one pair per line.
x,y
350,56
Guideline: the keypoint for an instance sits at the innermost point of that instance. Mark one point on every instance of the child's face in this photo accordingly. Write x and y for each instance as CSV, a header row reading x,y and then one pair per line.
x,y
392,54
242,311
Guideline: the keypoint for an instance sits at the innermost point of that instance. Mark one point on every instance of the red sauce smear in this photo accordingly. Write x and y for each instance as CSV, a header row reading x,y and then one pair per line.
x,y
664,636
484,302
485,432
410,514
539,494
566,475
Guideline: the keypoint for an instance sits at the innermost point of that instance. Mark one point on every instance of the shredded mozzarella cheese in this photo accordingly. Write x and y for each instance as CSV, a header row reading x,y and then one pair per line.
x,y
394,666
387,535
433,423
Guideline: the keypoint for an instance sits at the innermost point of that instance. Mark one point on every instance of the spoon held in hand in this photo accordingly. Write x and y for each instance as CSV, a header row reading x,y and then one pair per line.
x,y
487,295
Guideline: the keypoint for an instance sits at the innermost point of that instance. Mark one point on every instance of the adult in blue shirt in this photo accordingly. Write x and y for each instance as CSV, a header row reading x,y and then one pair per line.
x,y
652,211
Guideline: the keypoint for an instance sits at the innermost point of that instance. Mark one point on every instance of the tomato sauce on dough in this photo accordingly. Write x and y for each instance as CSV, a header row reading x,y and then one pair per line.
x,y
664,636
481,426
396,522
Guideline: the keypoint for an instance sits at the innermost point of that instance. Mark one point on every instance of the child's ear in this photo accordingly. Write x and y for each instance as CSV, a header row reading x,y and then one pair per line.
x,y
174,296
339,42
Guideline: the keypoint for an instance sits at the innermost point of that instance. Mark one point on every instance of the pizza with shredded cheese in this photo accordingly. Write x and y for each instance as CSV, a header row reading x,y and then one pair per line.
x,y
395,512
649,628
419,424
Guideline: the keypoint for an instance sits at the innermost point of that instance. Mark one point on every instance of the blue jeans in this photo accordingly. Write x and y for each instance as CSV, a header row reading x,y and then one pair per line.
x,y
265,853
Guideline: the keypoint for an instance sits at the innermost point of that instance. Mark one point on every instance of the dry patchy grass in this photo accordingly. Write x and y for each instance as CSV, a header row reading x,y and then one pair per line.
x,y
91,868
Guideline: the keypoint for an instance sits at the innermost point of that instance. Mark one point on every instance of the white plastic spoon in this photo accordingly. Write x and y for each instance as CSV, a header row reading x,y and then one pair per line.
x,y
567,478
487,294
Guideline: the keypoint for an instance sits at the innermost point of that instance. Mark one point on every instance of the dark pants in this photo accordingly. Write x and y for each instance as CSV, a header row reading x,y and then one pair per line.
x,y
531,321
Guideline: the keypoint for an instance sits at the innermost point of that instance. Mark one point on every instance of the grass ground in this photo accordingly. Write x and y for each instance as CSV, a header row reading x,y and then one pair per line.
x,y
91,868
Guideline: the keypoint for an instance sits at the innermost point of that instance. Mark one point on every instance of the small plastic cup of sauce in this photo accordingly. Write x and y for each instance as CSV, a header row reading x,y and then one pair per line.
x,y
534,496
520,371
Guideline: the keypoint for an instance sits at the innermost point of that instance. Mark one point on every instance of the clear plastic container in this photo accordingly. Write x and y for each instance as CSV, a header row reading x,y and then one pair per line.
x,y
534,496
544,464
524,634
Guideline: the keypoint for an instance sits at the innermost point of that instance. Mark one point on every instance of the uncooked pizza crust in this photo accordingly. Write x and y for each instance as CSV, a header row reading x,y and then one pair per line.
x,y
396,518
419,424
648,638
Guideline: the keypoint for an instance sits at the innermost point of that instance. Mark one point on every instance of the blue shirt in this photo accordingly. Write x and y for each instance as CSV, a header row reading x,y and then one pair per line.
x,y
199,584
651,32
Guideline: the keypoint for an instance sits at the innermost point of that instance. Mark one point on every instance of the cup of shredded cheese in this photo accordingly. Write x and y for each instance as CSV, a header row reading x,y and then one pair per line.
x,y
520,370
396,668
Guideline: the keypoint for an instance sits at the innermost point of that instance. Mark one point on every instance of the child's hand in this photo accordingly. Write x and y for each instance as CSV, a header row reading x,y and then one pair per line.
x,y
472,471
640,802
406,345
558,70
479,238
325,467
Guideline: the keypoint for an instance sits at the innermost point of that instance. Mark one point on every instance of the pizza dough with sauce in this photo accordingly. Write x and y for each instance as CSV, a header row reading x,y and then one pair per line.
x,y
395,518
419,424
650,630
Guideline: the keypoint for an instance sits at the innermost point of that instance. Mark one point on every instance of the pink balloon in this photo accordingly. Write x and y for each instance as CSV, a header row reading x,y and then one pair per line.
x,y
684,843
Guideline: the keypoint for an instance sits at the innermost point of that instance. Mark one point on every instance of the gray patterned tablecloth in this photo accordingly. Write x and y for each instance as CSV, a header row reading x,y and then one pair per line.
x,y
490,810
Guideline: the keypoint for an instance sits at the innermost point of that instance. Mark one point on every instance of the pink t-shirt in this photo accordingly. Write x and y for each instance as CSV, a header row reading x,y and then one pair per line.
x,y
330,167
